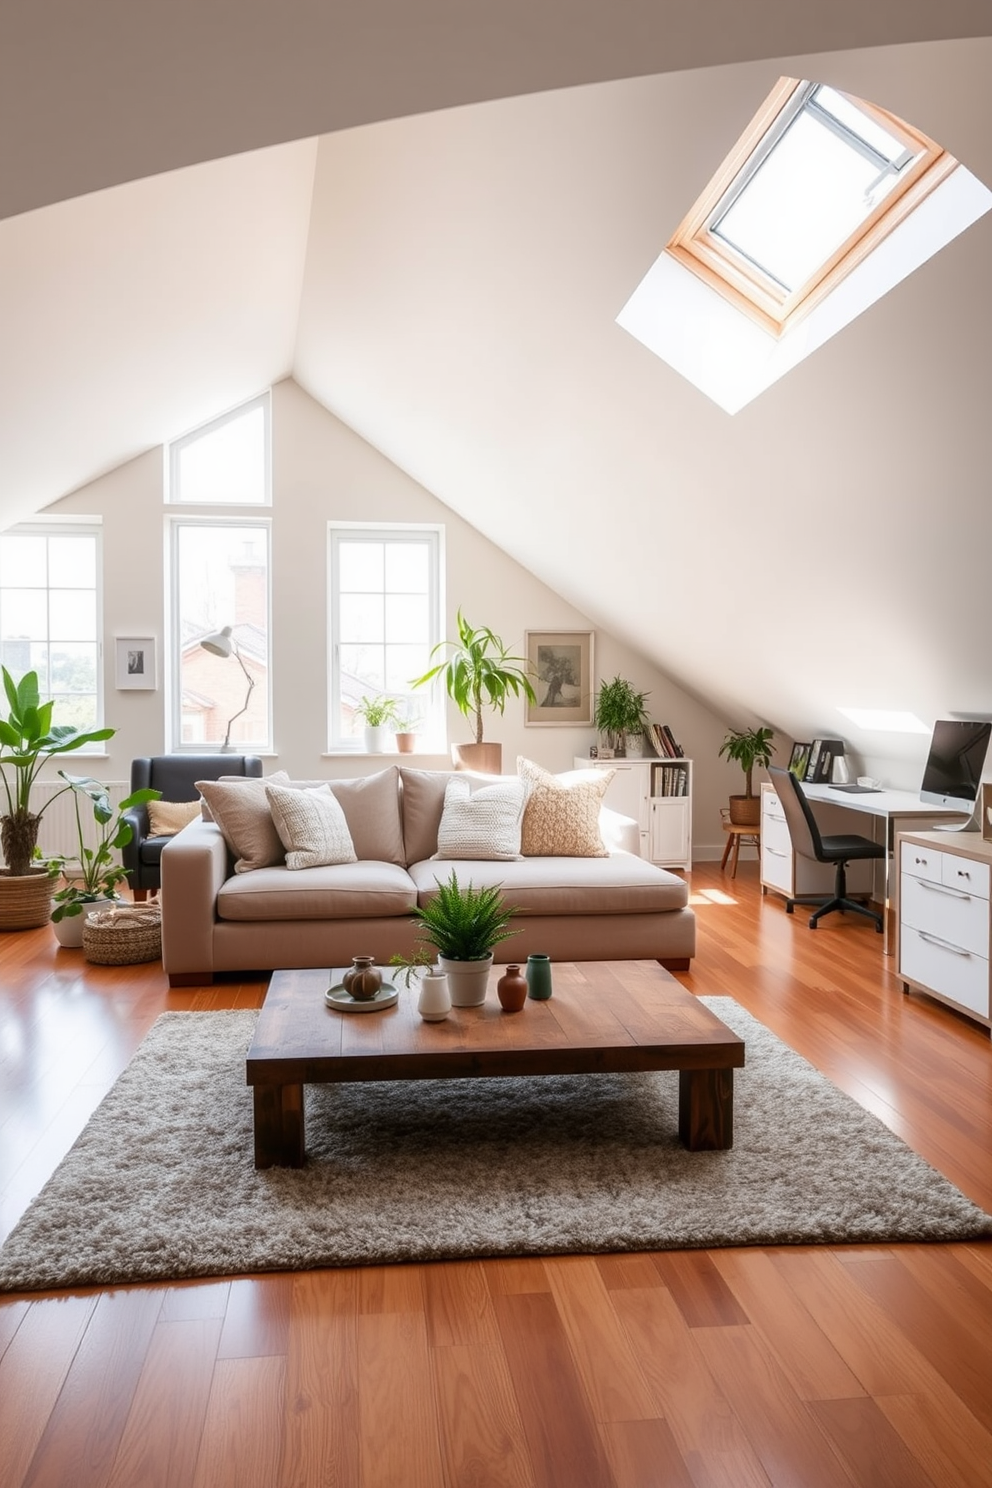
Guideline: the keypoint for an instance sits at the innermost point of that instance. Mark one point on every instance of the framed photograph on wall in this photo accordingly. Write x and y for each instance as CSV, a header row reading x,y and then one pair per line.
x,y
136,662
560,667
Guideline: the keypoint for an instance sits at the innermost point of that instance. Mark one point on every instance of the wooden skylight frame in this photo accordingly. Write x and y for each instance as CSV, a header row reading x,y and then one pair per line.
x,y
740,281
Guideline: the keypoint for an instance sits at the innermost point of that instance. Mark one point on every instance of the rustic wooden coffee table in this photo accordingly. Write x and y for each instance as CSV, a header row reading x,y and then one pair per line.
x,y
604,1017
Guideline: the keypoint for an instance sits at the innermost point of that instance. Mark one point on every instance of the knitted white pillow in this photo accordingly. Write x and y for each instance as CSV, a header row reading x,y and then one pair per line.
x,y
481,824
311,826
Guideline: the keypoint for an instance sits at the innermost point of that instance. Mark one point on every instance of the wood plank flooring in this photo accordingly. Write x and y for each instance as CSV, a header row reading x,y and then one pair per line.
x,y
815,1367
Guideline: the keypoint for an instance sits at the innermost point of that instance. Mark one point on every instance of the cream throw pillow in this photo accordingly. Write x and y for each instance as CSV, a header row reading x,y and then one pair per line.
x,y
166,818
481,824
241,810
311,825
561,818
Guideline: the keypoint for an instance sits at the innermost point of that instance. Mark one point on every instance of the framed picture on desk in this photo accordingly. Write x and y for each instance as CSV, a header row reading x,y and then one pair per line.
x,y
799,760
822,753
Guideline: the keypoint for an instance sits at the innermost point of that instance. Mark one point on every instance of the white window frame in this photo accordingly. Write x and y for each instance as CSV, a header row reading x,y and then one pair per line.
x,y
174,523
84,527
432,728
173,485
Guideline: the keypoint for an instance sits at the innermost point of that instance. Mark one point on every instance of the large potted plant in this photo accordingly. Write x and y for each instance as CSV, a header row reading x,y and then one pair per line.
x,y
748,747
28,739
619,711
460,928
100,872
478,673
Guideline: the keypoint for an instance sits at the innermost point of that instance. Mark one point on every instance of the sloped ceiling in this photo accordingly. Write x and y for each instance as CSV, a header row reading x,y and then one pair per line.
x,y
448,284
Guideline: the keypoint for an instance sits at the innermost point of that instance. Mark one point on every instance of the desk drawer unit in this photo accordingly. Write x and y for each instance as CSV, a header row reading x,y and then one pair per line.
x,y
944,926
786,872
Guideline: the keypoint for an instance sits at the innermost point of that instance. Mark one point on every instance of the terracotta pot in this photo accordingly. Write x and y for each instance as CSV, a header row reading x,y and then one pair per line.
x,y
485,759
406,743
745,811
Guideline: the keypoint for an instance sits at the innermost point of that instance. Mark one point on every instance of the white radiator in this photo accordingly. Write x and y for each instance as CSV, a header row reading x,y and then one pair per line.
x,y
58,825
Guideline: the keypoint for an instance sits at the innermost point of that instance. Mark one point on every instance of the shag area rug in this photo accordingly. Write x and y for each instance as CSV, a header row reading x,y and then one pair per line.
x,y
161,1183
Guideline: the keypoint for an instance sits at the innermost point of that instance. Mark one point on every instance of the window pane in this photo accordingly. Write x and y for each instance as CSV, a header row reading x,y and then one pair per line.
x,y
362,618
77,710
362,670
72,562
23,561
403,663
226,464
858,123
409,616
362,567
72,614
25,613
408,568
74,667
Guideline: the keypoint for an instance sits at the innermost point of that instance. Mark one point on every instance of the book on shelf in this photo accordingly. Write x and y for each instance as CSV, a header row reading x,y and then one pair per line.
x,y
677,751
660,742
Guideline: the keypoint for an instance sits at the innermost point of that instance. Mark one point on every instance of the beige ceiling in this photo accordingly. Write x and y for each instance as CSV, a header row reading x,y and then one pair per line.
x,y
448,285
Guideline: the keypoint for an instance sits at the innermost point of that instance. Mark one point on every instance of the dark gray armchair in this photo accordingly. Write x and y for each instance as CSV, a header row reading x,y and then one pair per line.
x,y
175,775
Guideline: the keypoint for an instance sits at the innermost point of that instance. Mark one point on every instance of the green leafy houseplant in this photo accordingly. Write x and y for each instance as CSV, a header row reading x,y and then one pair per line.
x,y
100,872
378,711
479,673
748,747
27,740
460,924
620,711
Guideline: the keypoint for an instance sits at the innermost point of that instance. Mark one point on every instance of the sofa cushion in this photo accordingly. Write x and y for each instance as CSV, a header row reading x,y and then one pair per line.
x,y
365,890
371,806
561,818
166,818
616,884
481,823
241,810
311,826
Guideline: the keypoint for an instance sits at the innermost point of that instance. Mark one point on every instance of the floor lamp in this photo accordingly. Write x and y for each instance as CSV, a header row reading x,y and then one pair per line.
x,y
222,643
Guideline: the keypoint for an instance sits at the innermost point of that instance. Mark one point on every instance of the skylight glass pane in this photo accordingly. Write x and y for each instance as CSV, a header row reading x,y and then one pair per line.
x,y
807,198
848,114
227,464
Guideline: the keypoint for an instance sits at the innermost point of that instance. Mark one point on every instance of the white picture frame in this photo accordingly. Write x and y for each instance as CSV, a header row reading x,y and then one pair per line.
x,y
135,663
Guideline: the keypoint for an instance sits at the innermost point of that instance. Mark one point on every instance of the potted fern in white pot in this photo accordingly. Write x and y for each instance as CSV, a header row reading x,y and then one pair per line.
x,y
460,928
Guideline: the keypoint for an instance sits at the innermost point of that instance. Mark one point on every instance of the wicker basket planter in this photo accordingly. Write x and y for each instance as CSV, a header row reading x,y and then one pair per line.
x,y
123,936
25,900
745,811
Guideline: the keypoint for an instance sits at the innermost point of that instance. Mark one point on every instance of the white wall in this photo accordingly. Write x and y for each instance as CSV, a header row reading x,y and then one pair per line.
x,y
322,470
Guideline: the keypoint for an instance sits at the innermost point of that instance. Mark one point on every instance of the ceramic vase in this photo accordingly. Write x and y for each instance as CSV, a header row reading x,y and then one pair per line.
x,y
511,989
434,1002
363,980
377,739
467,980
539,977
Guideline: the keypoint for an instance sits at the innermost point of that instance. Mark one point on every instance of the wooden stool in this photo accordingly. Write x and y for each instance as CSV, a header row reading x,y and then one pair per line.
x,y
737,834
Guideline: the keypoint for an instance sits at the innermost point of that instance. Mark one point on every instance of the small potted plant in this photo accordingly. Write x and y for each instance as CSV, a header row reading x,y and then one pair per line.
x,y
748,747
99,873
406,733
378,712
620,711
479,673
459,928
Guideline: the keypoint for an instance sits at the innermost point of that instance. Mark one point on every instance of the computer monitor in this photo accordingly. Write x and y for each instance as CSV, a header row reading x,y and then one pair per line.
x,y
955,763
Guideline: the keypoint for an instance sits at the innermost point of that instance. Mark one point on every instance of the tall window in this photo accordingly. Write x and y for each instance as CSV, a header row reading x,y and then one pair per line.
x,y
50,619
220,588
385,606
226,462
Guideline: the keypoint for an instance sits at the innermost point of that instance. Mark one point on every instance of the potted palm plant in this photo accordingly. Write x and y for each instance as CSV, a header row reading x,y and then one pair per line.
x,y
748,747
619,712
100,872
478,673
28,739
460,928
378,712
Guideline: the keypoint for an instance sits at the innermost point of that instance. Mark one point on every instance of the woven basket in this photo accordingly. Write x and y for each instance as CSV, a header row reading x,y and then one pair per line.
x,y
25,900
123,936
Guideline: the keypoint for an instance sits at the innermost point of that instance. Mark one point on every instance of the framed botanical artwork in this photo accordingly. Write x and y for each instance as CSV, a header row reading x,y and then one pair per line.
x,y
136,662
800,760
560,667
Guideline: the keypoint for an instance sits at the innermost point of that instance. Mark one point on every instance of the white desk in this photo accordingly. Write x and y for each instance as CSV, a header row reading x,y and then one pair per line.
x,y
901,811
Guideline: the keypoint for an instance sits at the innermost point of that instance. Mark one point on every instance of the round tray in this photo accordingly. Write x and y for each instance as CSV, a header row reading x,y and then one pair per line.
x,y
337,997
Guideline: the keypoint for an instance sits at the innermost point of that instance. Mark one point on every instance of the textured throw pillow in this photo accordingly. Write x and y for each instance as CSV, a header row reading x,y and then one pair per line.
x,y
484,823
241,810
166,818
561,819
311,826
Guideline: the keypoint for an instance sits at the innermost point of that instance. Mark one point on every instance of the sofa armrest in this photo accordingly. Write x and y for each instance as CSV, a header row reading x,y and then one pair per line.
x,y
619,833
194,867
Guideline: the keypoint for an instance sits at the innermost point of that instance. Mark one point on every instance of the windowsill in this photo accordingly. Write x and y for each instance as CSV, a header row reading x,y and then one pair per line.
x,y
392,754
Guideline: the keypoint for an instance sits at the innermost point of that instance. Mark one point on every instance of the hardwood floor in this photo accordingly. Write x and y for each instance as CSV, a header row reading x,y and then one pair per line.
x,y
791,1366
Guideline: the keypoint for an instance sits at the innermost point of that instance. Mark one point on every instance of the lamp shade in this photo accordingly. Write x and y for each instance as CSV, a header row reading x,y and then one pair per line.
x,y
219,643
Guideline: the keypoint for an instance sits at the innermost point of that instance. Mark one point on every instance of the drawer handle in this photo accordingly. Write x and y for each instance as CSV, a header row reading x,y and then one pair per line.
x,y
945,945
936,888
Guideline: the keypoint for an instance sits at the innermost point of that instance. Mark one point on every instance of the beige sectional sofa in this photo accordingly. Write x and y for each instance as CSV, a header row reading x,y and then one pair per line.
x,y
609,907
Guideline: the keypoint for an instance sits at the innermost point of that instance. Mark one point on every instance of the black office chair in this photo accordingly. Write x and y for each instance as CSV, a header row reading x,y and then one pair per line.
x,y
175,775
807,841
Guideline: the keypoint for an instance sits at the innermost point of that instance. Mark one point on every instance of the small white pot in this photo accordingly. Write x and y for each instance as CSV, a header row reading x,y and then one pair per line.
x,y
434,1002
69,932
377,739
467,980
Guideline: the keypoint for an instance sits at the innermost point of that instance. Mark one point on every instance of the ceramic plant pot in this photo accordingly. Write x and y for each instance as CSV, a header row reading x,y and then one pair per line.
x,y
468,981
486,759
434,1001
69,931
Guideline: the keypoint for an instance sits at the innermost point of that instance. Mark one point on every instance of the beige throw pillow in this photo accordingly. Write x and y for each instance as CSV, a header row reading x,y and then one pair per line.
x,y
241,810
166,818
484,823
311,826
561,818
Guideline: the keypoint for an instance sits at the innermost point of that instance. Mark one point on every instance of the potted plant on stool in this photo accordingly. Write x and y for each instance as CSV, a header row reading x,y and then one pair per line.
x,y
749,747
99,873
460,927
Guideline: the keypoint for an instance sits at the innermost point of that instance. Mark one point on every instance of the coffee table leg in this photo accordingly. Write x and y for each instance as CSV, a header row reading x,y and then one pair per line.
x,y
279,1133
706,1109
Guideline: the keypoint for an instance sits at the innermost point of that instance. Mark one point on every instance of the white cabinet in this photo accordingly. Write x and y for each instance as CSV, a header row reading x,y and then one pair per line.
x,y
785,872
657,793
944,927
